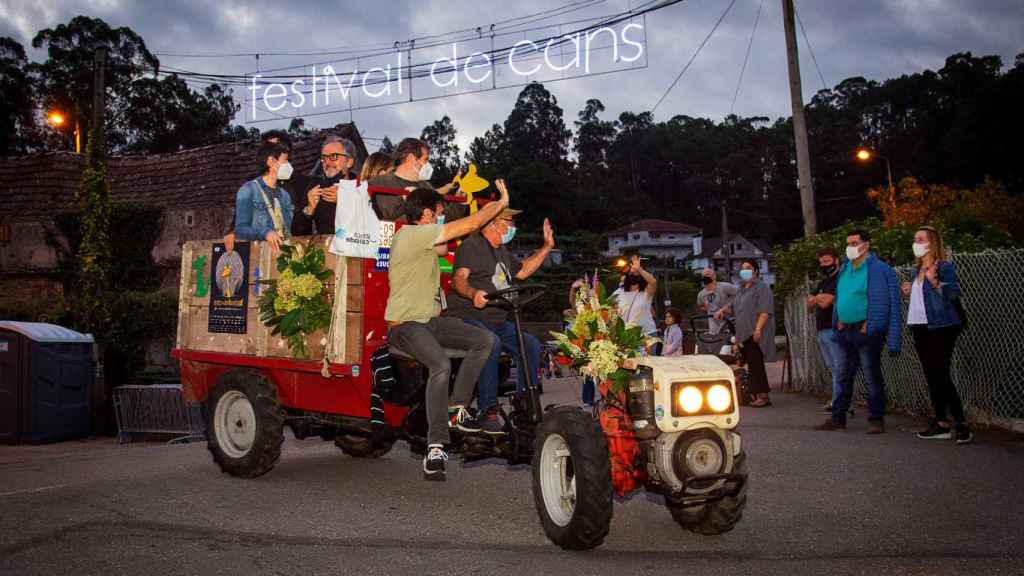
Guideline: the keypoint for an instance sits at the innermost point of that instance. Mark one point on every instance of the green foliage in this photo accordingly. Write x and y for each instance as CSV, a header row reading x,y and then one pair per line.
x,y
444,152
17,120
797,263
137,319
296,305
91,303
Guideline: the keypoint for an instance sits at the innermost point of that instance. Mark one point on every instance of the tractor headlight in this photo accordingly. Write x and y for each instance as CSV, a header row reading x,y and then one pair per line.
x,y
719,398
707,397
690,399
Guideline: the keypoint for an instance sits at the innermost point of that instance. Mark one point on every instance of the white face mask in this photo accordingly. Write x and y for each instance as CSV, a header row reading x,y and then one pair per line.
x,y
853,252
284,171
920,249
426,171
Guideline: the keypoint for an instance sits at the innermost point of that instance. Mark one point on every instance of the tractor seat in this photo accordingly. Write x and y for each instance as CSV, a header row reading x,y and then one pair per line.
x,y
451,353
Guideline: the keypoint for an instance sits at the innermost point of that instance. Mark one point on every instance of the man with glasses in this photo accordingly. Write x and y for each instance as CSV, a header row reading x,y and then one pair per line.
x,y
337,156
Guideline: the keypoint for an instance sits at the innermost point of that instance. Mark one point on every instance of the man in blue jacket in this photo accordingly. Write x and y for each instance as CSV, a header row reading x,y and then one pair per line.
x,y
867,313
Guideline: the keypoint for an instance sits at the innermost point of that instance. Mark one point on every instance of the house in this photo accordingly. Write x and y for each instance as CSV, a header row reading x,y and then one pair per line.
x,y
713,254
669,241
196,188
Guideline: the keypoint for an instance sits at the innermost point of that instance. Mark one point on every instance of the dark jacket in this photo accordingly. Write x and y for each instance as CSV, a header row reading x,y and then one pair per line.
x,y
885,302
938,303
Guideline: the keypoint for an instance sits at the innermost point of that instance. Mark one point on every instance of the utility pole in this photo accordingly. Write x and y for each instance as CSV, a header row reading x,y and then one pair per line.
x,y
726,245
803,158
99,63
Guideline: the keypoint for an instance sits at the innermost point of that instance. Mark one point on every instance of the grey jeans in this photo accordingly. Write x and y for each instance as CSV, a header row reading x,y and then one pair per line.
x,y
426,343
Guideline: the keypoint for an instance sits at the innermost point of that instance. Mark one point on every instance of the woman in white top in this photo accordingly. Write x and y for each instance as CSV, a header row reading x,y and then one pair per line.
x,y
636,297
673,333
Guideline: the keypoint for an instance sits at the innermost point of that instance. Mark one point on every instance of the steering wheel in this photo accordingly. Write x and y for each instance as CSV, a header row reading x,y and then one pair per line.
x,y
515,296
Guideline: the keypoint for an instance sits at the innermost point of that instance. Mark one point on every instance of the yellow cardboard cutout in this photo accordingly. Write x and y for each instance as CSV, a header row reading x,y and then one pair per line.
x,y
470,184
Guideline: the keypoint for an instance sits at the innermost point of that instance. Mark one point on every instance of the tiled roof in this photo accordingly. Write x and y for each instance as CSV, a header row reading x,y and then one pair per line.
x,y
35,187
654,225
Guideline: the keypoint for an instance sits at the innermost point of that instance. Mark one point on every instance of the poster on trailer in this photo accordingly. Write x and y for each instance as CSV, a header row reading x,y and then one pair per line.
x,y
229,291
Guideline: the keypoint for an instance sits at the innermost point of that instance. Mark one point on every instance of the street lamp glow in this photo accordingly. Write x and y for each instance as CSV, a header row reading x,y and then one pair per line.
x,y
863,154
56,119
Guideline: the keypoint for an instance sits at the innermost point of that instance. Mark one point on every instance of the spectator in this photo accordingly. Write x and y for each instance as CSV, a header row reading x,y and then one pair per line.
x,y
713,299
635,297
377,164
263,210
415,324
867,311
935,322
337,155
820,302
754,312
483,264
413,170
673,333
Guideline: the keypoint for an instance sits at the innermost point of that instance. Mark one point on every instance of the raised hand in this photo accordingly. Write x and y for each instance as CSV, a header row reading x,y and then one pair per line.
x,y
503,190
549,234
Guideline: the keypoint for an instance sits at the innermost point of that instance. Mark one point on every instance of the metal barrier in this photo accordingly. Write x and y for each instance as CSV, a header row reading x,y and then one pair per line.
x,y
987,364
157,409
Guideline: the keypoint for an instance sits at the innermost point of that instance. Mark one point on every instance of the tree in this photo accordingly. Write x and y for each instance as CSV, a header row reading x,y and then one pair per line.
x,y
386,146
17,120
593,138
166,116
65,80
297,128
444,152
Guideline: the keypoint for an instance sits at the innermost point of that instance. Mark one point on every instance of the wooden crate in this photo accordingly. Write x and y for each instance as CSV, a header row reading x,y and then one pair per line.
x,y
194,311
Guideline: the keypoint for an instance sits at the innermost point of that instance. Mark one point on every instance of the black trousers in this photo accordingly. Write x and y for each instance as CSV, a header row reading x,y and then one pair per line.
x,y
754,358
935,349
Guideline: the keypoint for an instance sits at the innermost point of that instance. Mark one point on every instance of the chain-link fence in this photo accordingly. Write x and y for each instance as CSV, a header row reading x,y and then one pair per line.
x,y
988,364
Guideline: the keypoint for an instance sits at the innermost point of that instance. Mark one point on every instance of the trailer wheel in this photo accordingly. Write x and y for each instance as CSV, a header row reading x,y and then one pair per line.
x,y
572,483
246,427
718,517
362,446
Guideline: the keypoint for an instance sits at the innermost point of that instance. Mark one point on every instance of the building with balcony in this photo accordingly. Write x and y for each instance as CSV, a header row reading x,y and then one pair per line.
x,y
670,242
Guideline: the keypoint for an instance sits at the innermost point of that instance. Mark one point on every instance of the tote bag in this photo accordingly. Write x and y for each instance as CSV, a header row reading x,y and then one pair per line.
x,y
356,226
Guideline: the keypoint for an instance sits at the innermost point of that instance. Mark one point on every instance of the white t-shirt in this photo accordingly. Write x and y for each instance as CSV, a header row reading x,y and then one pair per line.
x,y
917,313
635,309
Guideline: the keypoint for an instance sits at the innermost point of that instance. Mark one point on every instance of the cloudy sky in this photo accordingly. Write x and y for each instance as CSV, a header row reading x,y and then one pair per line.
x,y
876,39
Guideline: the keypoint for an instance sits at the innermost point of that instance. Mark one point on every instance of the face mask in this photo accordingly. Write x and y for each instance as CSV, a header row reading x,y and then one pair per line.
x,y
284,171
852,252
508,235
440,219
746,275
705,280
827,270
426,171
921,249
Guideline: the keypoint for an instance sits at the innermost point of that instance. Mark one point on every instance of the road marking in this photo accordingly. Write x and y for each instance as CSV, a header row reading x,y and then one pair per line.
x,y
33,490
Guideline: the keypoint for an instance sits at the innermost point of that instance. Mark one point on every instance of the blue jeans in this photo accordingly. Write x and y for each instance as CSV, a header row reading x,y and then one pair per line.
x,y
857,350
589,390
507,341
830,354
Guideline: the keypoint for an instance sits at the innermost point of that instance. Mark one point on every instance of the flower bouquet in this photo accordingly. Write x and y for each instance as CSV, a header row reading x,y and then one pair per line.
x,y
296,304
598,342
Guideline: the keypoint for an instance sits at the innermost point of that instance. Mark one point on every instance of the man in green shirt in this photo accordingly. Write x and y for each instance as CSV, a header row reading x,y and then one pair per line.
x,y
416,326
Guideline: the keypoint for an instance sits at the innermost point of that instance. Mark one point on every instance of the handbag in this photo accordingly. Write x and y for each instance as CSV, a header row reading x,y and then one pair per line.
x,y
356,226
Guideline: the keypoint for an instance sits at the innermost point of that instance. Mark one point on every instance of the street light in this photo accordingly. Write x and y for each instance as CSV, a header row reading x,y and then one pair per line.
x,y
864,155
56,119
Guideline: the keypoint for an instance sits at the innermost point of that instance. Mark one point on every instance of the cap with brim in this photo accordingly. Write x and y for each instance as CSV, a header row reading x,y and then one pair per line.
x,y
509,213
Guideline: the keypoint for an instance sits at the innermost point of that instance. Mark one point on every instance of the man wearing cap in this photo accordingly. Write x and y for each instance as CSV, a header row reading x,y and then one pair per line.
x,y
415,324
484,264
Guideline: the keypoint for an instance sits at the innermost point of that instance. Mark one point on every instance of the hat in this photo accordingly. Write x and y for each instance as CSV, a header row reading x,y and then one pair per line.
x,y
508,214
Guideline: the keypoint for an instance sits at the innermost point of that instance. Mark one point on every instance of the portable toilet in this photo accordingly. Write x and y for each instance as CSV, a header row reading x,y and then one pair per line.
x,y
46,378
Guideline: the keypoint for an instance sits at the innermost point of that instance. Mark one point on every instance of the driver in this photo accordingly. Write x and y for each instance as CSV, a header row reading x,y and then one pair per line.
x,y
483,264
414,322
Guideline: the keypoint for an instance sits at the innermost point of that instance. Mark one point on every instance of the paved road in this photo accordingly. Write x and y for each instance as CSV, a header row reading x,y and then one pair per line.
x,y
820,503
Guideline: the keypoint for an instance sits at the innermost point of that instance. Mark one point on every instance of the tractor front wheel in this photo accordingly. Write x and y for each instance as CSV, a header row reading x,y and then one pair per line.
x,y
572,482
717,517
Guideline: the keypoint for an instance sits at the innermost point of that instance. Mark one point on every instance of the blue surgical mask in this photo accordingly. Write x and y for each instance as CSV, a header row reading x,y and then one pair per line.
x,y
746,275
440,218
508,235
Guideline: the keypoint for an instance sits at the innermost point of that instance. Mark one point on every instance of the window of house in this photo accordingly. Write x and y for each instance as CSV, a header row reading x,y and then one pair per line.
x,y
190,218
636,236
655,235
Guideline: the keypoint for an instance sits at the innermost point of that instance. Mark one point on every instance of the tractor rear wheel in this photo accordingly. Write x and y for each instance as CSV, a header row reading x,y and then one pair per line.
x,y
246,427
572,482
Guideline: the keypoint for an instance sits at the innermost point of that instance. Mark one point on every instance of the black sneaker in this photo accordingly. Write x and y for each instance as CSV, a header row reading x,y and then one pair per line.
x,y
827,408
935,432
463,419
491,423
963,434
435,463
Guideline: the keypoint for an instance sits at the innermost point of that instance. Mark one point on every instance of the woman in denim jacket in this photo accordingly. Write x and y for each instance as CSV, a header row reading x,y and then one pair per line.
x,y
263,209
935,324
